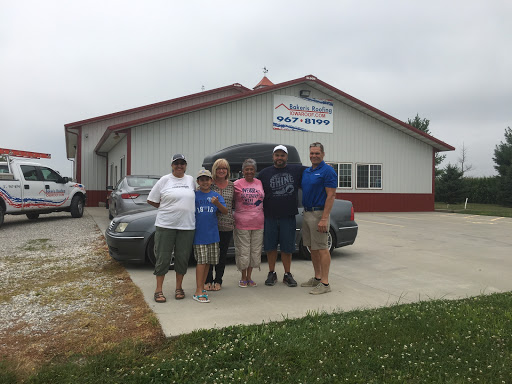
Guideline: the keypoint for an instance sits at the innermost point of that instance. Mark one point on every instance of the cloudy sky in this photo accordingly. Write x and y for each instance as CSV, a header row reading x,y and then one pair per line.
x,y
64,61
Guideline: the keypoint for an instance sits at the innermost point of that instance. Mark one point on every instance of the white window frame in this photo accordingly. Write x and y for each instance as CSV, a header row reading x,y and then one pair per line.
x,y
122,167
369,165
112,181
337,167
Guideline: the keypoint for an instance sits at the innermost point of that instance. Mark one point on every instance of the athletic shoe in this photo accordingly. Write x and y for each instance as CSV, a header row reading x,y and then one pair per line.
x,y
289,280
320,288
313,282
271,278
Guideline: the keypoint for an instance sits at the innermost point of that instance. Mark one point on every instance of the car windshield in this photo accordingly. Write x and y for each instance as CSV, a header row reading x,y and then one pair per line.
x,y
141,182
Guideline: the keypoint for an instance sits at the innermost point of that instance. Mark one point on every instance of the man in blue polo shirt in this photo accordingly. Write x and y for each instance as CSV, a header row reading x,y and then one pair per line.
x,y
319,184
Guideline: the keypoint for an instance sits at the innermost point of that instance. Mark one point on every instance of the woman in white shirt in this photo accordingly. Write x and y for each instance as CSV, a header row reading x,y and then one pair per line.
x,y
175,223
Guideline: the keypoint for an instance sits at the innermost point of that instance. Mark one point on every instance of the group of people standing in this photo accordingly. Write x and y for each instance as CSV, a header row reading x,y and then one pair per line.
x,y
255,212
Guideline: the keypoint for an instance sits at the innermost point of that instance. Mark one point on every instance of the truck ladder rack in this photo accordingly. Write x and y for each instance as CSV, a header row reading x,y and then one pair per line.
x,y
27,154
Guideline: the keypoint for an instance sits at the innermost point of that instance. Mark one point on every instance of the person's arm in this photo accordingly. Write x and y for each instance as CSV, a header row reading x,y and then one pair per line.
x,y
323,224
222,208
156,205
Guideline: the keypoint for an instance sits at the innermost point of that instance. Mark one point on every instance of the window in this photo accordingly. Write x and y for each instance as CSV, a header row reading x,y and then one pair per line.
x,y
369,176
29,172
50,174
121,171
344,172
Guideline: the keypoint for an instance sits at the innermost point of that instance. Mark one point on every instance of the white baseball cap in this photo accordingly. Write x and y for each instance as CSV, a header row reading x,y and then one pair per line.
x,y
280,147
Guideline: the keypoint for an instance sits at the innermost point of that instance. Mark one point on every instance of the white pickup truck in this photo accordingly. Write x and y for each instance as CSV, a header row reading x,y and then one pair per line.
x,y
28,188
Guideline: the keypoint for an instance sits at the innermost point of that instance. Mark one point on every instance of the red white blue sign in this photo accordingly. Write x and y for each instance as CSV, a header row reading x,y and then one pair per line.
x,y
303,114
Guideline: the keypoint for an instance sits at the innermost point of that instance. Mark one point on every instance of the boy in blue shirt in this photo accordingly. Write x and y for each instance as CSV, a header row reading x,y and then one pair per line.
x,y
206,237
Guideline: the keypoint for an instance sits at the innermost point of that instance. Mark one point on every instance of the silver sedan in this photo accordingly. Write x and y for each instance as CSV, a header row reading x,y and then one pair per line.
x,y
130,193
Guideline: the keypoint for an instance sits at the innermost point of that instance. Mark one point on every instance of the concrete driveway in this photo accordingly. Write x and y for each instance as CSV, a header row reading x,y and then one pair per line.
x,y
397,258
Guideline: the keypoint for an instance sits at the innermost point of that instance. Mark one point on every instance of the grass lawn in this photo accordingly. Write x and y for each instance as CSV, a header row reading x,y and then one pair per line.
x,y
437,341
477,209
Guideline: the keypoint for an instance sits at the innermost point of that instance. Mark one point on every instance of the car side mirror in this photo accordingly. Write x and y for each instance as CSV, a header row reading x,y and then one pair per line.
x,y
65,180
110,188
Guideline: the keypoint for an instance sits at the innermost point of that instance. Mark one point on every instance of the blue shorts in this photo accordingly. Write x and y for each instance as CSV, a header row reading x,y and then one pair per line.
x,y
279,231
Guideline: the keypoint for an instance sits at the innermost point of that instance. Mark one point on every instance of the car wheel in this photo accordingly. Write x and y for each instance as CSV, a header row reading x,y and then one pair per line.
x,y
110,216
32,216
1,216
151,251
331,241
77,206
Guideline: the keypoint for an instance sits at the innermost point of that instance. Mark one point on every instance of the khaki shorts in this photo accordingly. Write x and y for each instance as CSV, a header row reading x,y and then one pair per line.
x,y
207,253
248,245
310,236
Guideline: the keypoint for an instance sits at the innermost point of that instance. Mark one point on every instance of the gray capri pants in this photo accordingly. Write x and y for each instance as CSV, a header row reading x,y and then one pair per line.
x,y
169,240
248,244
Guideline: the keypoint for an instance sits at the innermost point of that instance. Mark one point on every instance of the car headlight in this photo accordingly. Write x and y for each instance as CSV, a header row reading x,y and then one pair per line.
x,y
121,227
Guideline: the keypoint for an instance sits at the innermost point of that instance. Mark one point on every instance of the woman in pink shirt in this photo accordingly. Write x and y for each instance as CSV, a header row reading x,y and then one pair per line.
x,y
249,220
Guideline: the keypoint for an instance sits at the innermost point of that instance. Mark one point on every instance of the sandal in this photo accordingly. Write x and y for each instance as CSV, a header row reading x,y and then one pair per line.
x,y
179,294
159,297
242,284
217,287
251,283
201,298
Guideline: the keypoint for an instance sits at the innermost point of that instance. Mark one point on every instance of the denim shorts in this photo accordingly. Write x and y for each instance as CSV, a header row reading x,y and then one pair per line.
x,y
279,231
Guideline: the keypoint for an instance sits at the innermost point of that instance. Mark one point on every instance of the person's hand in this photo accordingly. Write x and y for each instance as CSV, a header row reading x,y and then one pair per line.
x,y
322,226
215,200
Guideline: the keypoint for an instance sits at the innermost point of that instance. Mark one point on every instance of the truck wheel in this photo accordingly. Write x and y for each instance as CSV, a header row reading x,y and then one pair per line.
x,y
77,206
1,216
32,216
305,253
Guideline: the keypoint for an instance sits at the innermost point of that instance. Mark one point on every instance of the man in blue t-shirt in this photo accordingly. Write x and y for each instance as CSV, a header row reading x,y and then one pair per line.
x,y
319,184
206,236
281,183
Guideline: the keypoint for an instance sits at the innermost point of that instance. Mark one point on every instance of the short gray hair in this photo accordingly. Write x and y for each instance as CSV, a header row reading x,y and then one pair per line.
x,y
317,144
249,163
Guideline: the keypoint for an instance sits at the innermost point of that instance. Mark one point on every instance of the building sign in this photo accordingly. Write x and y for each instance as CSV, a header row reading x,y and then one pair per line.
x,y
303,114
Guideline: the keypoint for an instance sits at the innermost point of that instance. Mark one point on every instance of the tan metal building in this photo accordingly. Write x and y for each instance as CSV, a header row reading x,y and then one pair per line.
x,y
383,164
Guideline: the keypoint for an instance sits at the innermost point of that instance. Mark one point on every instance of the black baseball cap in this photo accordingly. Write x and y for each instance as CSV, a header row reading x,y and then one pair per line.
x,y
178,156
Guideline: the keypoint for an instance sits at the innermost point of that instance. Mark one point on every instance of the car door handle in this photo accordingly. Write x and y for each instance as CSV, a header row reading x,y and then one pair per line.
x,y
47,186
27,186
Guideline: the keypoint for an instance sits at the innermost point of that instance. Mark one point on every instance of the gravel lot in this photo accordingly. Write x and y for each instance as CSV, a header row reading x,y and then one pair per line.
x,y
60,291
34,252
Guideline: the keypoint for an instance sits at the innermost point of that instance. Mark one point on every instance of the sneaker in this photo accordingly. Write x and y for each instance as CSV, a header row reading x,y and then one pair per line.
x,y
242,284
251,283
271,278
313,282
289,280
319,289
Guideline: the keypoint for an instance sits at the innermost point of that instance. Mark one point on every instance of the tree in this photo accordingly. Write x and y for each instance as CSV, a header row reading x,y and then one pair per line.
x,y
450,186
463,160
422,125
503,159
